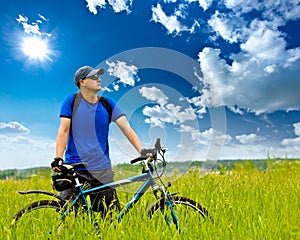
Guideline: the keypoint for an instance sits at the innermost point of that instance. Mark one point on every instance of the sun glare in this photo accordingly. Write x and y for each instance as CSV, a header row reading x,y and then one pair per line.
x,y
35,48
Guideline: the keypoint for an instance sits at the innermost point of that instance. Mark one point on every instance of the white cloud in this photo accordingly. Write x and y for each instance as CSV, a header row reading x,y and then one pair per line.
x,y
218,137
264,43
93,4
227,26
172,22
237,110
13,127
256,78
154,94
205,4
117,5
249,139
216,71
127,74
243,6
116,87
200,103
270,69
32,28
294,55
276,12
165,112
280,11
297,129
42,17
160,115
293,142
121,5
29,28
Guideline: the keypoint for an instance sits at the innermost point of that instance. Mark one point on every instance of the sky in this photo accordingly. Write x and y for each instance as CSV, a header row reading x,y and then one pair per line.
x,y
212,79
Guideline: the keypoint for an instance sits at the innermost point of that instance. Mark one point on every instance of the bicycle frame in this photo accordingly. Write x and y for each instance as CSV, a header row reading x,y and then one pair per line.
x,y
146,177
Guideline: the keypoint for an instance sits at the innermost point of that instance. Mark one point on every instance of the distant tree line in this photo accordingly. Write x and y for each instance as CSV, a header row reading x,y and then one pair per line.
x,y
25,173
220,165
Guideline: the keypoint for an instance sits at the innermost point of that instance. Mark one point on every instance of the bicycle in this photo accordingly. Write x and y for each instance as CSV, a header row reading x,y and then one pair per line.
x,y
176,210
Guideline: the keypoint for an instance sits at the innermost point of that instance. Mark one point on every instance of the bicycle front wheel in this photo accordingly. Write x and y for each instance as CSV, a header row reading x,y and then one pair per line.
x,y
39,218
185,214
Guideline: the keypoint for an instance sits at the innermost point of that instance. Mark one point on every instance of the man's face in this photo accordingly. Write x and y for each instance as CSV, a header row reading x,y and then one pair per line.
x,y
92,83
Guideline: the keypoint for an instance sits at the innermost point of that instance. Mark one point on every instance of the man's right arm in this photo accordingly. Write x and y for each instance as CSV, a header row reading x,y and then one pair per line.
x,y
62,136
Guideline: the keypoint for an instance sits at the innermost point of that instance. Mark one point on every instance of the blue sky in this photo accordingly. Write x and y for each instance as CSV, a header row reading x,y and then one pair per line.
x,y
213,79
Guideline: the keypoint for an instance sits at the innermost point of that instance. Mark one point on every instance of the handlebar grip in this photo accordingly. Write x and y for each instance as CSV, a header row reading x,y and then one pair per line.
x,y
138,160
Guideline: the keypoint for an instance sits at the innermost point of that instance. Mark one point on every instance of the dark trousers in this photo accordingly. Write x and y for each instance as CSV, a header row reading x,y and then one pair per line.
x,y
102,201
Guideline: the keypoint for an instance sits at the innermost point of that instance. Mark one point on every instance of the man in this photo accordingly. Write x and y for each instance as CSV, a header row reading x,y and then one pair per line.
x,y
83,135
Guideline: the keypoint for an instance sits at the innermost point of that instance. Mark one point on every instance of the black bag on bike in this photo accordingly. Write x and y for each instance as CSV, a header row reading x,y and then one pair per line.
x,y
63,182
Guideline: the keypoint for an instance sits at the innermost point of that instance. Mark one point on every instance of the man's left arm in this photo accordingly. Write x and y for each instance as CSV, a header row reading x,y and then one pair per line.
x,y
125,127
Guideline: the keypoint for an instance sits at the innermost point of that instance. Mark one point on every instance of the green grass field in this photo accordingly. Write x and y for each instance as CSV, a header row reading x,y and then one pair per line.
x,y
246,203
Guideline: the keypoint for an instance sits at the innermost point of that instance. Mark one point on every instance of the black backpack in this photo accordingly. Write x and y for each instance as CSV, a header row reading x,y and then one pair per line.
x,y
102,100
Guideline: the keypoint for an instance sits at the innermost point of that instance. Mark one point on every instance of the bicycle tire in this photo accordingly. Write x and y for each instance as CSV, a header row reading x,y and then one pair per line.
x,y
39,217
36,205
189,212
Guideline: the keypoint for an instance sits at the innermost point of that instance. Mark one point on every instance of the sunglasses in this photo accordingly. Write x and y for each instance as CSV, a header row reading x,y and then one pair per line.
x,y
94,77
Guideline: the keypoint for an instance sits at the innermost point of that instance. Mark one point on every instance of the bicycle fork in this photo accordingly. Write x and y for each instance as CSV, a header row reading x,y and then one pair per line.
x,y
173,214
167,206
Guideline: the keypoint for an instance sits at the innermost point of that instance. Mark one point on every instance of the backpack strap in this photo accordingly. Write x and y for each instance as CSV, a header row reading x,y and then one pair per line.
x,y
106,105
75,103
103,100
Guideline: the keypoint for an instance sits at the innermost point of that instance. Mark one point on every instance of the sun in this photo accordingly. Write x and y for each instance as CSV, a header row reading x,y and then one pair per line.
x,y
35,48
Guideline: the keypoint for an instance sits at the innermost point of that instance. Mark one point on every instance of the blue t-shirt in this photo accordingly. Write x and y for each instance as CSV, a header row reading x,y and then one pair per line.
x,y
88,137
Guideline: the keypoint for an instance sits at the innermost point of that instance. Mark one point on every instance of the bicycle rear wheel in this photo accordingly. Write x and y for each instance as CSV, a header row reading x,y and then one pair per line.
x,y
185,215
40,218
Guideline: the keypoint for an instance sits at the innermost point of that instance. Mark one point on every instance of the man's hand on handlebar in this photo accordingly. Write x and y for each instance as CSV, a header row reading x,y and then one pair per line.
x,y
56,163
148,152
151,152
